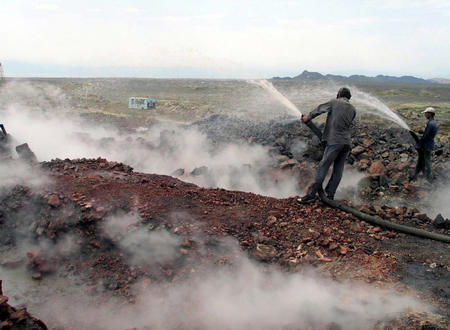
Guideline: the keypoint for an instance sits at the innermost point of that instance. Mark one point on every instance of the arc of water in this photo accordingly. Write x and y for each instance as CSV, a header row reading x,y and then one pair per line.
x,y
375,106
277,95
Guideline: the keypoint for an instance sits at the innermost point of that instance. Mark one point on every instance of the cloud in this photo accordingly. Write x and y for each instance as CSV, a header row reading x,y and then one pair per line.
x,y
210,17
221,41
171,19
94,10
410,4
132,10
291,3
47,6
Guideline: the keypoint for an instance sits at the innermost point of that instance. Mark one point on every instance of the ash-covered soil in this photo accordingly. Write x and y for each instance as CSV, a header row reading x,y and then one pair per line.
x,y
105,214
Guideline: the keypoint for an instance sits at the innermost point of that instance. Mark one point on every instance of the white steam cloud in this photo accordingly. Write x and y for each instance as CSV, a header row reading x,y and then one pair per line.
x,y
143,245
437,200
244,296
348,188
14,173
439,203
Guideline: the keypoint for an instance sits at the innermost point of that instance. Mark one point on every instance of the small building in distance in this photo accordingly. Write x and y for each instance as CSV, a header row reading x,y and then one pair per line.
x,y
142,103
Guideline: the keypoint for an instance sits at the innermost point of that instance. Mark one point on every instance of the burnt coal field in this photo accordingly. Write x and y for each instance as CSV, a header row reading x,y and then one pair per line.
x,y
126,249
129,241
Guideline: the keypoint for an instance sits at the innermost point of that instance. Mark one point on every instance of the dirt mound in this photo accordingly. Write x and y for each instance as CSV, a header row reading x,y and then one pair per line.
x,y
102,221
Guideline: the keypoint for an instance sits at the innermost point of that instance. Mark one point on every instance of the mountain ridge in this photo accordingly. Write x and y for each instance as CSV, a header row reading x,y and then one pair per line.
x,y
314,76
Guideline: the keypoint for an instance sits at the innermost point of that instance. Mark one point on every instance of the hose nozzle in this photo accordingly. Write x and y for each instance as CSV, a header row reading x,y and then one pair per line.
x,y
414,136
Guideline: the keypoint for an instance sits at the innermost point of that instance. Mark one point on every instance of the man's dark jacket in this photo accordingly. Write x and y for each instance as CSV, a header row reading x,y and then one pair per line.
x,y
427,140
339,120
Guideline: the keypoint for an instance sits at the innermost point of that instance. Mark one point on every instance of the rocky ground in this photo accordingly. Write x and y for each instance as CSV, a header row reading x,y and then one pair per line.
x,y
84,194
386,155
118,232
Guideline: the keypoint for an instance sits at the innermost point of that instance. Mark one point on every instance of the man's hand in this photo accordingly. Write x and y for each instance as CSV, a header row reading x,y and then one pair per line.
x,y
305,119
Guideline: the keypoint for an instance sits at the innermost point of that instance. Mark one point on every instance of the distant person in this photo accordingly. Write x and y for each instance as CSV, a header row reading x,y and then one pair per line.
x,y
425,146
337,136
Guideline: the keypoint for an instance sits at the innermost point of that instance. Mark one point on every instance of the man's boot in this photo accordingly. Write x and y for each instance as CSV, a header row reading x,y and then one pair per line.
x,y
310,196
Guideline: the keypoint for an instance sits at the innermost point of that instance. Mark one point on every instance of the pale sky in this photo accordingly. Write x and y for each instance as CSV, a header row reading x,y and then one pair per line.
x,y
224,39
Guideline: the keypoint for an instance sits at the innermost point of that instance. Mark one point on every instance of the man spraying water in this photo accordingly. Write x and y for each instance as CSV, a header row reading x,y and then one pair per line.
x,y
337,136
425,146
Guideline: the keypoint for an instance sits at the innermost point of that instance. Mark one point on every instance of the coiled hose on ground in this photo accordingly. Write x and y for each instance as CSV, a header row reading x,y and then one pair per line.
x,y
384,223
374,220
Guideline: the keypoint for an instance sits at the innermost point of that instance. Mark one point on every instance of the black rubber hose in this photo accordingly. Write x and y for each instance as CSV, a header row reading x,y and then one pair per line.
x,y
384,223
414,136
314,129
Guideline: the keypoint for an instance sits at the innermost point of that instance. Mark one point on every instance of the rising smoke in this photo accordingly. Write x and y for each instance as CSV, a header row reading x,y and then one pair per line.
x,y
20,173
437,200
237,295
161,149
142,245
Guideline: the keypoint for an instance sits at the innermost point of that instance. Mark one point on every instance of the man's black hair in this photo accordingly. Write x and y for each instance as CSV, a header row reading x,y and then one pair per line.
x,y
344,92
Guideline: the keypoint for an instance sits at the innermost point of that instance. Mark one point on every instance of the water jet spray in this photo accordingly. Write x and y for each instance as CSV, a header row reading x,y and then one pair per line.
x,y
375,106
277,95
285,101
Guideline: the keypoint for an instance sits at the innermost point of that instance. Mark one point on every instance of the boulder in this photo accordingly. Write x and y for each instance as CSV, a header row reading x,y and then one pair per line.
x,y
403,165
25,153
54,201
288,163
421,216
178,172
440,222
367,143
264,252
199,171
357,150
403,157
281,158
364,155
377,168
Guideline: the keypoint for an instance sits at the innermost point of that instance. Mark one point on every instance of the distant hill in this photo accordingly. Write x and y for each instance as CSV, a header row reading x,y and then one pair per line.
x,y
313,76
441,80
